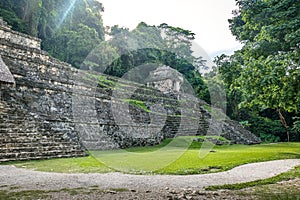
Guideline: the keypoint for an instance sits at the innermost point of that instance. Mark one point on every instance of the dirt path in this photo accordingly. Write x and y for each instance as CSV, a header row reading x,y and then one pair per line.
x,y
29,179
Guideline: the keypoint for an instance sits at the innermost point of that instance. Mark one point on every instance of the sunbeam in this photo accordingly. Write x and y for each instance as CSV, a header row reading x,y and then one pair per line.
x,y
72,2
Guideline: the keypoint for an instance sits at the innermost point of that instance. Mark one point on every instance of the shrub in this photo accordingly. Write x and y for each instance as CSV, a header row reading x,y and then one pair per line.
x,y
267,129
296,129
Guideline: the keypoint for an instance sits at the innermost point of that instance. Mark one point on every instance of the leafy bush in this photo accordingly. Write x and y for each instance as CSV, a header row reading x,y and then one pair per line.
x,y
269,138
12,19
245,124
296,125
267,129
266,137
296,129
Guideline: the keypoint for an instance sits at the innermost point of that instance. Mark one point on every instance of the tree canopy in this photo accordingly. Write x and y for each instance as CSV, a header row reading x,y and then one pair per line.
x,y
148,44
266,71
69,29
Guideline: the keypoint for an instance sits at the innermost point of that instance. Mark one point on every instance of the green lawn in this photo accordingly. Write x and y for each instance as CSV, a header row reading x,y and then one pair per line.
x,y
171,157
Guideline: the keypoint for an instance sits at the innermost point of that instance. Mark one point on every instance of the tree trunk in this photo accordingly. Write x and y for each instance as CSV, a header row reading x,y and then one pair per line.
x,y
284,124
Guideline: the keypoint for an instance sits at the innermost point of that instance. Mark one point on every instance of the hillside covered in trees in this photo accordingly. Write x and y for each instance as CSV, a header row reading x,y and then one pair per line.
x,y
261,80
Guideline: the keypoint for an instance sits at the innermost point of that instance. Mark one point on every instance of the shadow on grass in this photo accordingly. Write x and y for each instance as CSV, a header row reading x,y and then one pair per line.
x,y
290,155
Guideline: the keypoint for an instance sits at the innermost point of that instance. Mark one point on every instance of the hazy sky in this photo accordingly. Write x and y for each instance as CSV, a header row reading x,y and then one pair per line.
x,y
206,18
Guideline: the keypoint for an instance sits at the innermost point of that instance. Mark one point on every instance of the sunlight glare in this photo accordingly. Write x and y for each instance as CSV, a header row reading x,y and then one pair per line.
x,y
72,3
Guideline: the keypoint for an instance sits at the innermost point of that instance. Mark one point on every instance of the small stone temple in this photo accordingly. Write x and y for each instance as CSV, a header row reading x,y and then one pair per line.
x,y
165,79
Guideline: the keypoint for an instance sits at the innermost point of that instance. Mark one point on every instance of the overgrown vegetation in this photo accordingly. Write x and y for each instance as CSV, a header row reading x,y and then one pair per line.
x,y
296,128
69,29
138,104
263,77
267,129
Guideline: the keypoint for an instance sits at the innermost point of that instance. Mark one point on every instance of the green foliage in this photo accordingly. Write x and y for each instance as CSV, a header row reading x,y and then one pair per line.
x,y
103,80
269,137
265,73
267,129
11,18
73,46
100,57
296,125
69,29
245,124
138,104
155,45
270,30
22,15
296,129
178,40
229,69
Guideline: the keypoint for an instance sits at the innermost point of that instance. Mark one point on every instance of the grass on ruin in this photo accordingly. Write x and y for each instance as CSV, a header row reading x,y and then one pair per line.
x,y
137,103
170,157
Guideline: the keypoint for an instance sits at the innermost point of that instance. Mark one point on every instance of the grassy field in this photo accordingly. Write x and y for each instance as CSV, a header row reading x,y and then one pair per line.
x,y
170,157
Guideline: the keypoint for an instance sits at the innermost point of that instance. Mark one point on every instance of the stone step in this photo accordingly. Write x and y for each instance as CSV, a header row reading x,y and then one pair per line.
x,y
28,156
25,144
5,157
35,149
17,130
30,138
30,134
20,134
16,120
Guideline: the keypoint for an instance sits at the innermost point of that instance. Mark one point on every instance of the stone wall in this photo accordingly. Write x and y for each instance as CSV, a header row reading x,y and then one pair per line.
x,y
55,110
18,38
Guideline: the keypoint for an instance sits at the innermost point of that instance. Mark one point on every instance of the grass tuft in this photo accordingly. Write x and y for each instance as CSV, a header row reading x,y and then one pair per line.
x,y
139,104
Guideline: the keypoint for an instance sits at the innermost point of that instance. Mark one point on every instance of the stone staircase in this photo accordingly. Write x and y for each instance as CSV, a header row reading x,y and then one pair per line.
x,y
21,140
